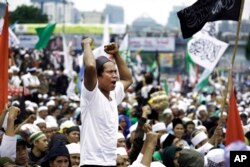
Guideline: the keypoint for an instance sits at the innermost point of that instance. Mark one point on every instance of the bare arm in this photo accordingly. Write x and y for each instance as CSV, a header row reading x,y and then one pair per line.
x,y
2,116
90,76
149,148
13,113
124,73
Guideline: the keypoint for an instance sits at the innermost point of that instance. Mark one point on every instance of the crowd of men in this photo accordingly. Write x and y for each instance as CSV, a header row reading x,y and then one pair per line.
x,y
49,110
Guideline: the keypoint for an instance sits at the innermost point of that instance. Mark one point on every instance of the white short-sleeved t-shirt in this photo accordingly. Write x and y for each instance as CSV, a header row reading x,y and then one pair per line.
x,y
99,117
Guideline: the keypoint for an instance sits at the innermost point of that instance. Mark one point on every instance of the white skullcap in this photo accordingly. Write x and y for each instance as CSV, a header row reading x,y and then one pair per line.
x,y
50,72
52,98
201,127
50,103
163,137
120,136
205,148
159,126
64,97
182,107
42,108
74,105
167,111
201,108
73,148
199,138
34,105
247,110
26,55
242,103
66,124
186,119
156,164
40,96
45,96
30,108
29,128
191,107
14,68
27,102
38,121
121,151
240,108
15,103
50,122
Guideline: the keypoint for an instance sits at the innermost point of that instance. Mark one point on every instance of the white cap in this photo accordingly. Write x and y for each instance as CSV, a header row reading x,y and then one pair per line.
x,y
34,105
167,111
73,148
38,121
66,124
15,103
50,103
26,55
201,108
199,138
14,68
42,108
30,108
159,126
201,127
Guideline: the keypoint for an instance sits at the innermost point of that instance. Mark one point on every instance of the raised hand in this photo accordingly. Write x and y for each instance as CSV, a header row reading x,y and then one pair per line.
x,y
111,48
87,41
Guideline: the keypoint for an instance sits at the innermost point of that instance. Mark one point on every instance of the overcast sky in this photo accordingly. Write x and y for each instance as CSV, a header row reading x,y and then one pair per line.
x,y
157,9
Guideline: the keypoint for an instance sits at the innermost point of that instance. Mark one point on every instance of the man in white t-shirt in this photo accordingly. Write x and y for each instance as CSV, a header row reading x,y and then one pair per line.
x,y
101,93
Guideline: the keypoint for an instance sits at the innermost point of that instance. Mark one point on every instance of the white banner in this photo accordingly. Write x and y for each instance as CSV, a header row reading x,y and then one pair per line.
x,y
205,50
152,44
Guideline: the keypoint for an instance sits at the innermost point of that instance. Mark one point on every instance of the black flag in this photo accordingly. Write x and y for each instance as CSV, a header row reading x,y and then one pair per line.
x,y
194,17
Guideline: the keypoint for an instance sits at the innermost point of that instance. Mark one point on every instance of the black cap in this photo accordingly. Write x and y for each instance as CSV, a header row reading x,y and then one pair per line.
x,y
73,128
58,149
101,60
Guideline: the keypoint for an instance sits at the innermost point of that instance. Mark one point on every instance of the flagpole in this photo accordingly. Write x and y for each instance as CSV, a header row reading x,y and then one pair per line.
x,y
230,70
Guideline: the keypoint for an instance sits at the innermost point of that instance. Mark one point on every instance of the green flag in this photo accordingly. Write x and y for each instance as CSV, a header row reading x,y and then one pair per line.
x,y
190,69
153,66
44,34
166,86
203,81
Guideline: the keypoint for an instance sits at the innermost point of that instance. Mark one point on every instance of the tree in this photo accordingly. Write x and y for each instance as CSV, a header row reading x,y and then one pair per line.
x,y
248,48
28,14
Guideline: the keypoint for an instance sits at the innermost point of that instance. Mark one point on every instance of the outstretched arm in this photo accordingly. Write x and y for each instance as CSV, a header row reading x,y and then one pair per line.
x,y
90,76
124,73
